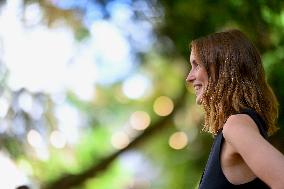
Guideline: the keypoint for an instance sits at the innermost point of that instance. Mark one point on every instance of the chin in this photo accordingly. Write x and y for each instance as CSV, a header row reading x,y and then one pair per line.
x,y
199,98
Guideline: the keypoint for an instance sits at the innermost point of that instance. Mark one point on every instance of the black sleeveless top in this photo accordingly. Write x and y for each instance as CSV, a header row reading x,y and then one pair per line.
x,y
213,176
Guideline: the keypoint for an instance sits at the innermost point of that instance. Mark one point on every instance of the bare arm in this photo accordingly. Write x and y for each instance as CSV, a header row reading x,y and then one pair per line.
x,y
241,132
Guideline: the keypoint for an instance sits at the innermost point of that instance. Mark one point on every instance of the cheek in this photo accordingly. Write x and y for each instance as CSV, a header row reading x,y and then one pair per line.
x,y
206,79
203,77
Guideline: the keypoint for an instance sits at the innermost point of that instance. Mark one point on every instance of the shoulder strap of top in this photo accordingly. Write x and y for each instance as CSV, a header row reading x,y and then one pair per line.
x,y
258,120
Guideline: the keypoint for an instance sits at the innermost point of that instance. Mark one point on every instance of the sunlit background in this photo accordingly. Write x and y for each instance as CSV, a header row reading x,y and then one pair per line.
x,y
93,93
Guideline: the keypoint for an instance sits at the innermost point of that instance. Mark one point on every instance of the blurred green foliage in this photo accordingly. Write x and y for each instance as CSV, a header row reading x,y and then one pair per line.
x,y
165,63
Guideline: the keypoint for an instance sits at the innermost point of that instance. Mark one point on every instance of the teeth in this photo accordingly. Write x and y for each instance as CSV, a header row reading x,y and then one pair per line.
x,y
197,87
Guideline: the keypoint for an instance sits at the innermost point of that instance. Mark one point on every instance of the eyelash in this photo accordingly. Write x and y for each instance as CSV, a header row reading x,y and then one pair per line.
x,y
195,65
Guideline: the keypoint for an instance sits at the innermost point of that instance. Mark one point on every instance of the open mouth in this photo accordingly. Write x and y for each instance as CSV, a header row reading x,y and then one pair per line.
x,y
197,87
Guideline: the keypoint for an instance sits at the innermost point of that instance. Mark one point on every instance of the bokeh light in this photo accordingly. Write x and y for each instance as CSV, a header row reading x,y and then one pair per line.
x,y
178,140
120,140
136,86
163,106
140,120
35,139
57,139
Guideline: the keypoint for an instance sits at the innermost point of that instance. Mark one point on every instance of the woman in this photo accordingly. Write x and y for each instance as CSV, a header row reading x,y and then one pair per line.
x,y
240,111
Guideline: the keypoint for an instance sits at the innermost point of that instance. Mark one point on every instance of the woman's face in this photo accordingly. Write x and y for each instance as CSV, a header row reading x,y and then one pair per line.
x,y
197,76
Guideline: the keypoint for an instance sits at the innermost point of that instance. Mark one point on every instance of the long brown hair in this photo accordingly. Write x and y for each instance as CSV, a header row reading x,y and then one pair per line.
x,y
236,80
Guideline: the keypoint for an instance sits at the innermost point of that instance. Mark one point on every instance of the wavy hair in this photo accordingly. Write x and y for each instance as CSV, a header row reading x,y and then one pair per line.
x,y
236,80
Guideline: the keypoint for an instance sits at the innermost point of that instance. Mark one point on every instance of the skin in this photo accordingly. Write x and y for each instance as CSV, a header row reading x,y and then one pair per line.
x,y
252,156
245,153
197,76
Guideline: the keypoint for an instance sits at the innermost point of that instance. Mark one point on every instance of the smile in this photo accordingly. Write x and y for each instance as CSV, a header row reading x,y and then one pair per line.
x,y
197,87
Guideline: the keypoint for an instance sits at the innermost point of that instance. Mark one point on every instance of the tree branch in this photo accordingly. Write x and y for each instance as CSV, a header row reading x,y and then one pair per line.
x,y
70,180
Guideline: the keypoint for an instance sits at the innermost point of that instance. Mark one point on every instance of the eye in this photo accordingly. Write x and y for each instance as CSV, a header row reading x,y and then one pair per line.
x,y
194,64
197,66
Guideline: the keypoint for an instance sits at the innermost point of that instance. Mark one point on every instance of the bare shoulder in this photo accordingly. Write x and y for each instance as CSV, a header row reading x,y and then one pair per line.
x,y
242,135
239,125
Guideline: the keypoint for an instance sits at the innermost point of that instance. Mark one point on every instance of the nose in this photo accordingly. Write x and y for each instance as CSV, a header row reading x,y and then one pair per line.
x,y
190,77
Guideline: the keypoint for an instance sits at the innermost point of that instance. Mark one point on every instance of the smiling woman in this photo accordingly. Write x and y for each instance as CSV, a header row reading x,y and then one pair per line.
x,y
240,111
197,76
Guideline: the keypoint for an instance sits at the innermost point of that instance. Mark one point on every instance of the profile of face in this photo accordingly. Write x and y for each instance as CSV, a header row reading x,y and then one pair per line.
x,y
197,76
